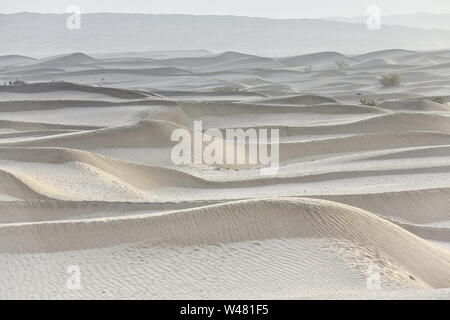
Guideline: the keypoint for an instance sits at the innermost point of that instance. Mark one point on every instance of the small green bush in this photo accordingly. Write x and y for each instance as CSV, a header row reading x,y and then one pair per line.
x,y
438,100
390,80
368,102
341,64
228,89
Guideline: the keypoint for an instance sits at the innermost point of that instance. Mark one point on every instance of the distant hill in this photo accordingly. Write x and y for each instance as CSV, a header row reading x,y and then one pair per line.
x,y
46,34
419,20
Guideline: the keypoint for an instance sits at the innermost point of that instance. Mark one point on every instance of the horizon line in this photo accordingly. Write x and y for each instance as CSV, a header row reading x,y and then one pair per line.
x,y
224,15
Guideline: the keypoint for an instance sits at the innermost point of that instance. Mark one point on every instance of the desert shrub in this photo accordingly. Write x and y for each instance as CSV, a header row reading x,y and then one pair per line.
x,y
390,80
307,69
368,102
19,82
228,89
341,64
438,100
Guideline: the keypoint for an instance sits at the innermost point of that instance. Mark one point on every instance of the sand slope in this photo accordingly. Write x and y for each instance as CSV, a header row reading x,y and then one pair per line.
x,y
87,180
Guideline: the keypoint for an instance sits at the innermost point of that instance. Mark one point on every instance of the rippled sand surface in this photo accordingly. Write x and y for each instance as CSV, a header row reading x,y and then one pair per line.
x,y
360,207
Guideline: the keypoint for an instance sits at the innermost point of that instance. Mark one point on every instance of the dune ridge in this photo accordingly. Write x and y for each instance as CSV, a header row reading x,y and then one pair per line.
x,y
275,218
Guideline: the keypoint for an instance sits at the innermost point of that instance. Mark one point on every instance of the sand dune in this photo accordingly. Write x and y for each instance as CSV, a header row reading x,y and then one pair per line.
x,y
62,86
316,60
87,178
66,60
398,122
296,221
405,206
391,53
14,60
414,105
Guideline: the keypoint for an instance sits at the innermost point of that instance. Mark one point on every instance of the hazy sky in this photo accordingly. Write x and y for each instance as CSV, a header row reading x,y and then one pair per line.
x,y
257,8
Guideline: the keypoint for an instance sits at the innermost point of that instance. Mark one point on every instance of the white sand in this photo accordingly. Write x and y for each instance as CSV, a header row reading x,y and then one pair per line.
x,y
86,177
